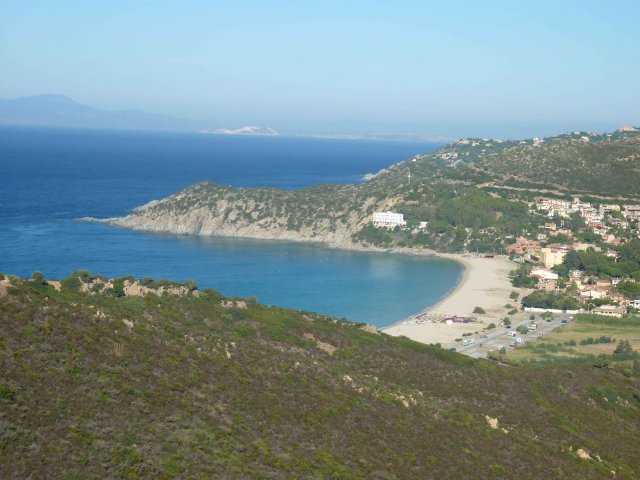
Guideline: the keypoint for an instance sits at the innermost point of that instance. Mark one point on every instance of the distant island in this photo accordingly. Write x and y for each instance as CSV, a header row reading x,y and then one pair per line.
x,y
248,130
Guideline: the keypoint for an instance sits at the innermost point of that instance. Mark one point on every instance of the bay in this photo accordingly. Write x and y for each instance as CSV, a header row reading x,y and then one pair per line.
x,y
49,177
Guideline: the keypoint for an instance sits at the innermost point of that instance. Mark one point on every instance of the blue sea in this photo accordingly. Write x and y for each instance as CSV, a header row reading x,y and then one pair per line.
x,y
49,177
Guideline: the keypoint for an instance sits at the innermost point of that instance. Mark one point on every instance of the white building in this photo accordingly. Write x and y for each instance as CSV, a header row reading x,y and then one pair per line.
x,y
388,219
544,274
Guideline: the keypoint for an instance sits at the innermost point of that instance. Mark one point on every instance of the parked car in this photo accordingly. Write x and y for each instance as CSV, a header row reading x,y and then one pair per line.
x,y
564,321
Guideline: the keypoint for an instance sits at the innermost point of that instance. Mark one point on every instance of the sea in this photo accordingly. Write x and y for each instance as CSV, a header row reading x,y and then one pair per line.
x,y
49,177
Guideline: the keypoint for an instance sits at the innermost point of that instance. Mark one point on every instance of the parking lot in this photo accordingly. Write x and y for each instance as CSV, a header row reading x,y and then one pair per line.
x,y
493,340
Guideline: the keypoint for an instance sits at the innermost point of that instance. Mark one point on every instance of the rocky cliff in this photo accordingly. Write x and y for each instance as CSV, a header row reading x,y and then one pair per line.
x,y
326,214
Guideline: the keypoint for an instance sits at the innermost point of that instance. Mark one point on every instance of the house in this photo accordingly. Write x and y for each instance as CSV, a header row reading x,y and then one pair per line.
x,y
609,310
611,239
618,297
632,212
522,245
388,219
592,293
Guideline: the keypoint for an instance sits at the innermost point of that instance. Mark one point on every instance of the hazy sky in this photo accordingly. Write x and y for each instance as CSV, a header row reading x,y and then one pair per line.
x,y
447,68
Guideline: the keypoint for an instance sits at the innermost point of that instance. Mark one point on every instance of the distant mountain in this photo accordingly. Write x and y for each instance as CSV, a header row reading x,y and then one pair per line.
x,y
61,111
248,130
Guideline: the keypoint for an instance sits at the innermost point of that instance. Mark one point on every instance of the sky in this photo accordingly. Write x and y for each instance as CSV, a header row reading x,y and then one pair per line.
x,y
444,69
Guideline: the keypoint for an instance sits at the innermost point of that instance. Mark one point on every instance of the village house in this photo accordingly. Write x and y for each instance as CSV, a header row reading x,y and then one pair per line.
x,y
632,212
611,239
522,245
592,293
618,297
561,231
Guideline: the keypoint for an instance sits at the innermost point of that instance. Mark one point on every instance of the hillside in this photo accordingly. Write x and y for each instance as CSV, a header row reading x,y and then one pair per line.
x,y
101,383
472,194
577,162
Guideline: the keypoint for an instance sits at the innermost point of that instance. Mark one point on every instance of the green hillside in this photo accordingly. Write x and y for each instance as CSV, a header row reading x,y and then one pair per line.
x,y
579,163
472,193
103,384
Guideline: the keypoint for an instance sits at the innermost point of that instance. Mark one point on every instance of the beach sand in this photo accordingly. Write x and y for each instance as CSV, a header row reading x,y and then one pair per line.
x,y
485,283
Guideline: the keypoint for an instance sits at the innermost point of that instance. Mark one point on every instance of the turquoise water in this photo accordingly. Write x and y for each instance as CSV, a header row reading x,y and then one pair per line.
x,y
50,177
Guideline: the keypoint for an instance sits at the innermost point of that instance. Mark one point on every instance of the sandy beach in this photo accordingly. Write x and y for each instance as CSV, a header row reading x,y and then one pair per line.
x,y
485,283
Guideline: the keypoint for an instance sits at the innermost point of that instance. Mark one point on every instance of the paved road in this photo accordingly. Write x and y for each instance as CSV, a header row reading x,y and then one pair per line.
x,y
498,338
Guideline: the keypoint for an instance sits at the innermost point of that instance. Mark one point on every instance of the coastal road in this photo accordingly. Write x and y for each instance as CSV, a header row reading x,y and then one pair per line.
x,y
495,339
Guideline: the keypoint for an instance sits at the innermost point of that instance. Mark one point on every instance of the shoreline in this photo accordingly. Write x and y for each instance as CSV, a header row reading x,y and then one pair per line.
x,y
484,282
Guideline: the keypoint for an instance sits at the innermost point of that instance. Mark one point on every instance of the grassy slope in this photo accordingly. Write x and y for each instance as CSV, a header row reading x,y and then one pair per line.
x,y
192,389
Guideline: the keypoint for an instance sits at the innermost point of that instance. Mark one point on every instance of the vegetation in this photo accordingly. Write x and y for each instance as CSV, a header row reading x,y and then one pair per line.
x,y
479,310
551,300
197,385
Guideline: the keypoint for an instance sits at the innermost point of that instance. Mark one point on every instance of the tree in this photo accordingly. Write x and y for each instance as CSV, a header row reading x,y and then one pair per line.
x,y
572,260
522,329
506,321
479,310
514,295
576,221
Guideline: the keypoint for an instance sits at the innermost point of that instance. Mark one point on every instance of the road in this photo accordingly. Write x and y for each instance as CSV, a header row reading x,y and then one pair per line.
x,y
495,339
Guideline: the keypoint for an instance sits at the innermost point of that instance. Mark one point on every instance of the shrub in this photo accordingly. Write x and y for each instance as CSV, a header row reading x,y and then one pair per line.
x,y
491,326
118,287
71,283
479,310
623,347
38,278
7,393
514,295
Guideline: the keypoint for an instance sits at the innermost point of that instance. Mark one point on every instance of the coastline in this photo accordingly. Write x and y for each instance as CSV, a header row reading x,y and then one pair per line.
x,y
484,283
